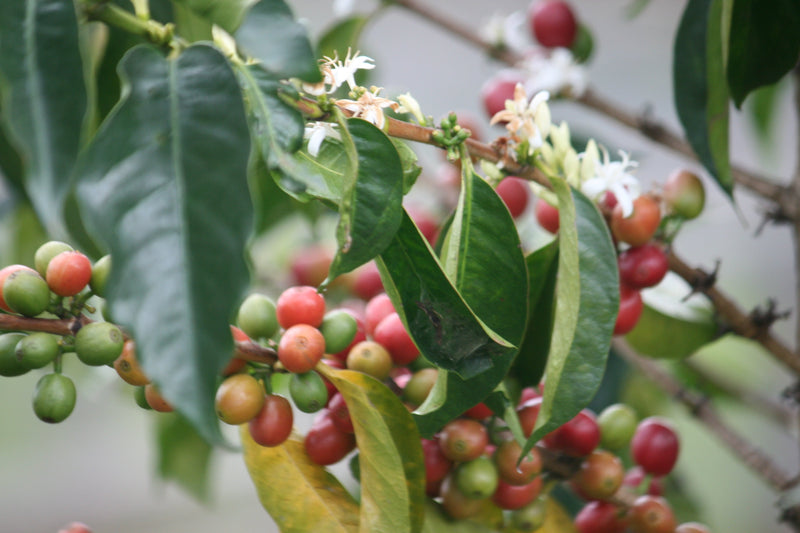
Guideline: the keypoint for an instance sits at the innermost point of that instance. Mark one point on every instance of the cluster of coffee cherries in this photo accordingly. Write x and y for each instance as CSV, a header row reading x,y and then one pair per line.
x,y
474,461
640,237
57,287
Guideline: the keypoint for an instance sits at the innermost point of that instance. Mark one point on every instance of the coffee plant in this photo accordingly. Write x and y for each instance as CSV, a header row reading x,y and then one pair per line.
x,y
467,355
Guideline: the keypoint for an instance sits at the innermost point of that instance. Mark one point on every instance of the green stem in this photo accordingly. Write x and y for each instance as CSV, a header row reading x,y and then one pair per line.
x,y
153,31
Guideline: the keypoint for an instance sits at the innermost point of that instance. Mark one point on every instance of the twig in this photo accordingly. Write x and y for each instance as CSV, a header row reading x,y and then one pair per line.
x,y
701,408
56,326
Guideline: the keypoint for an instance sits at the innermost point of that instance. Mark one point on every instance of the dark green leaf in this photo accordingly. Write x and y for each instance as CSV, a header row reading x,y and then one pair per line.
x,y
764,44
587,301
271,204
342,36
227,15
183,455
542,271
701,94
321,176
164,186
762,107
408,158
370,210
190,25
391,464
44,96
270,34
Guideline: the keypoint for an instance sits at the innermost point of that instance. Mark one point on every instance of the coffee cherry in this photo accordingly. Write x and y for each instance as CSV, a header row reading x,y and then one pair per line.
x,y
643,266
640,226
4,274
437,465
68,273
339,329
511,497
692,527
392,335
479,411
684,194
376,310
515,194
630,309
578,436
100,272
9,364
128,367
140,398
340,414
547,216
155,400
636,475
239,398
457,504
54,398
309,266
37,350
325,443
371,358
258,317
308,391
26,293
652,514
600,475
617,424
46,252
463,440
300,305
528,412
367,283
99,343
553,23
655,446
419,386
301,347
531,517
477,478
600,517
506,457
496,90
273,423
235,364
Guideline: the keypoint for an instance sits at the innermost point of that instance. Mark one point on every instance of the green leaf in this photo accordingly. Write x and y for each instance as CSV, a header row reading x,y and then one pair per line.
x,y
44,96
408,158
587,301
299,495
190,25
227,14
164,186
320,177
183,455
764,44
342,36
701,93
370,211
390,454
271,35
542,272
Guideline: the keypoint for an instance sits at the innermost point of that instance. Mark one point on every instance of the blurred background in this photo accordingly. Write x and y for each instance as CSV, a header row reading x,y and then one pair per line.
x,y
99,466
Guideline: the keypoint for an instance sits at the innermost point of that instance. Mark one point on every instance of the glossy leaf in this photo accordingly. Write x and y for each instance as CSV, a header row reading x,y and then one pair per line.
x,y
164,186
45,96
392,467
408,159
191,25
700,87
299,495
271,35
587,301
183,455
370,210
228,15
764,44
542,272
343,35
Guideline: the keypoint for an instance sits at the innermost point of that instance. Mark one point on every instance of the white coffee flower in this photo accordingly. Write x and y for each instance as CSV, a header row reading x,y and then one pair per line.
x,y
614,177
316,132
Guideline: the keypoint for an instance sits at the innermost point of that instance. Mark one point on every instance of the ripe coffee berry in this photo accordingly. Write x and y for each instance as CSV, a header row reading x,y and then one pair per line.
x,y
68,273
506,457
377,309
655,446
325,443
436,464
273,423
630,309
392,335
156,400
128,367
463,440
600,476
301,347
635,476
652,514
515,193
553,23
46,252
643,266
578,436
511,497
340,414
300,305
600,517
528,412
239,399
496,90
641,225
547,216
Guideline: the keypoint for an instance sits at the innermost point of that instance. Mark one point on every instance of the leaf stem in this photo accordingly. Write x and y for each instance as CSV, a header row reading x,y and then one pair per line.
x,y
155,32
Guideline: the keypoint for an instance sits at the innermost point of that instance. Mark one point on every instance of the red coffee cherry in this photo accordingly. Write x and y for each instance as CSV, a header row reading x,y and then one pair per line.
x,y
511,497
325,443
310,265
553,23
68,273
630,309
506,457
479,411
636,475
437,465
340,414
376,310
547,216
367,283
300,305
600,476
527,412
273,423
601,517
515,193
301,347
643,266
577,437
496,90
463,440
655,446
641,225
392,335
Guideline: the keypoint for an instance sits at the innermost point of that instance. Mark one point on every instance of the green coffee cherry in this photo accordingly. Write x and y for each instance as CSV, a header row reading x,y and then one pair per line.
x,y
99,343
9,365
617,424
100,272
46,252
257,317
308,391
54,398
339,329
141,400
37,350
26,293
477,479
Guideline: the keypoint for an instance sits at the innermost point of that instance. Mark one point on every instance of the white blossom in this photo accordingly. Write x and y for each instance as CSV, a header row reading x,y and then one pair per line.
x,y
369,106
316,132
509,31
555,71
342,8
336,73
528,121
614,177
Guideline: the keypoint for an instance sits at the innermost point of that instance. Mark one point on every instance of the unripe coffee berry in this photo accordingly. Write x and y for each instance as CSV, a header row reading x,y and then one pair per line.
x,y
257,317
54,398
26,293
37,350
99,343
